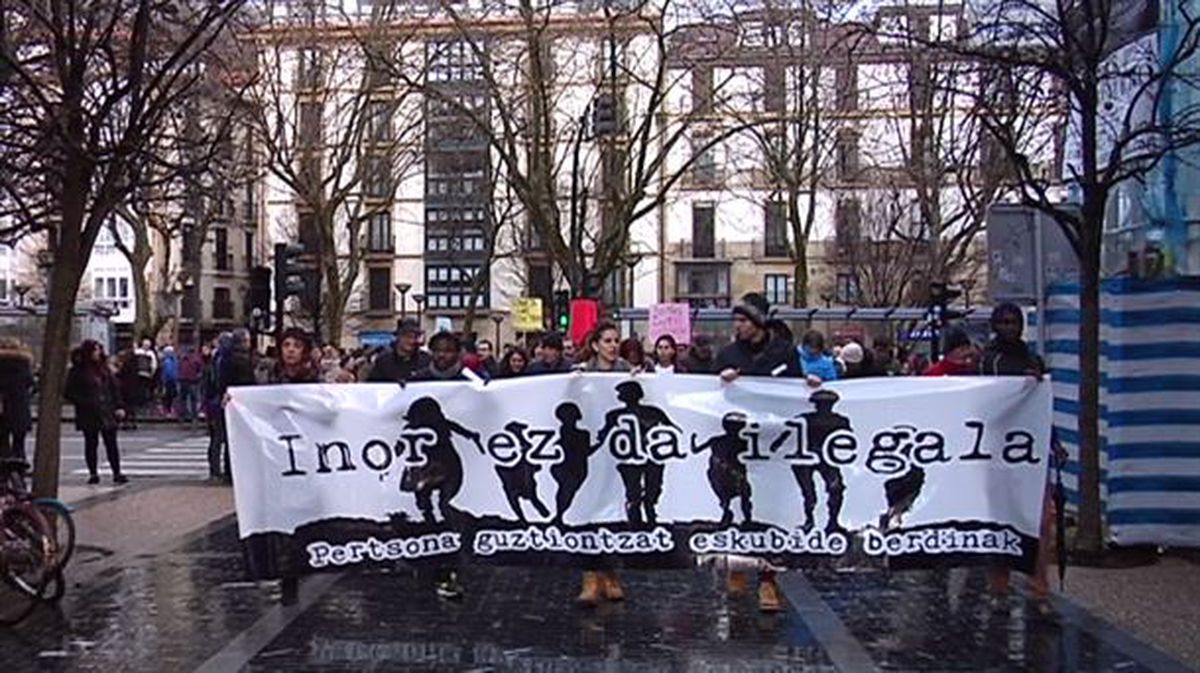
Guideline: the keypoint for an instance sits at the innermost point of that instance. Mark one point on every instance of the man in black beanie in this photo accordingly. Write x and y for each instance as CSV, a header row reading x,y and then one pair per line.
x,y
754,352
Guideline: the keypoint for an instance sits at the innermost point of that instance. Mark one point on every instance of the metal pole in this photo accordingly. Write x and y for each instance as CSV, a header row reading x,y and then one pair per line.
x,y
1039,282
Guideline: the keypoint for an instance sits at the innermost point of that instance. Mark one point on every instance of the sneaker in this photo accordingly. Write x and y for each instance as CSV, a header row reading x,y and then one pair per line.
x,y
449,588
769,599
93,480
120,479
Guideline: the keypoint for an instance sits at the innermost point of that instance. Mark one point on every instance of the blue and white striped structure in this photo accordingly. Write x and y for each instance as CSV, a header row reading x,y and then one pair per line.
x,y
1149,405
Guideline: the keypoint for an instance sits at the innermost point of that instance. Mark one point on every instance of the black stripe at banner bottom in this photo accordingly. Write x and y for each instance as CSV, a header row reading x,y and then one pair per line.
x,y
344,544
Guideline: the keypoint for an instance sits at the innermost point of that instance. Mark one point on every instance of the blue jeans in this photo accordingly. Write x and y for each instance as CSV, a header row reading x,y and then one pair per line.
x,y
189,399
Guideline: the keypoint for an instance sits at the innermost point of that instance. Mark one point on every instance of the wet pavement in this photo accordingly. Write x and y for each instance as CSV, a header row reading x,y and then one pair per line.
x,y
189,609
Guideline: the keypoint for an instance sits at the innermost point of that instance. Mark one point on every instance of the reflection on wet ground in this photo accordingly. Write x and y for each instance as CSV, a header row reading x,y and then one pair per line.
x,y
175,611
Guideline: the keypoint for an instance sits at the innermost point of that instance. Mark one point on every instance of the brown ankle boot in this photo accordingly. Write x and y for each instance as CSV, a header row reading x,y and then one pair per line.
x,y
737,583
769,599
613,590
592,591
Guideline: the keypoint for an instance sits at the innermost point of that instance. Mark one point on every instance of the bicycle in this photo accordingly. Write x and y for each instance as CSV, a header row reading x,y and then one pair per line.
x,y
37,540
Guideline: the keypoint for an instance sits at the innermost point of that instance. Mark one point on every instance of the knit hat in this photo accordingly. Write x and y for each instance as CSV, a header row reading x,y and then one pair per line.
x,y
755,308
852,353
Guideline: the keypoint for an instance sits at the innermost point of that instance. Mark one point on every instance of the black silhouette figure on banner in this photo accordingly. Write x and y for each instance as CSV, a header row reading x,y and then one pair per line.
x,y
901,493
443,469
577,449
520,480
726,471
820,424
643,483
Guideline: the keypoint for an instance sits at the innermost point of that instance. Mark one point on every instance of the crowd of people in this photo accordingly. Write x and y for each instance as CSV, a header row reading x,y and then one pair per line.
x,y
111,393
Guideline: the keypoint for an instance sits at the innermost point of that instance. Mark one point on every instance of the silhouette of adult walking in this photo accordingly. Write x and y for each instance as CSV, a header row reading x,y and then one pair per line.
x,y
726,471
820,424
443,470
643,482
520,480
577,449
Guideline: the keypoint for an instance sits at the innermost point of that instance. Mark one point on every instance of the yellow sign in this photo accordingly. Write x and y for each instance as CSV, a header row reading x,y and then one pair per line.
x,y
527,314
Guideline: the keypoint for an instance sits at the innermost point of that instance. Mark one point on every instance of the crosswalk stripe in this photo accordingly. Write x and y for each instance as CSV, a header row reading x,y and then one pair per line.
x,y
178,452
150,472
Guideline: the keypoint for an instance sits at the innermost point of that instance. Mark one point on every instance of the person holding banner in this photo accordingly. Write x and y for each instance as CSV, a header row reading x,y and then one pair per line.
x,y
601,352
1007,354
755,352
295,364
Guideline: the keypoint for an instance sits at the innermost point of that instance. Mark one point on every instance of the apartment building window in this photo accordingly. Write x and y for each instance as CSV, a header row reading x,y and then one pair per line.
x,y
379,234
248,250
847,222
309,231
309,70
221,257
379,289
704,237
846,290
310,176
379,121
846,83
702,285
702,90
775,233
775,288
455,240
774,88
310,124
847,155
704,164
377,181
452,60
449,286
222,304
250,203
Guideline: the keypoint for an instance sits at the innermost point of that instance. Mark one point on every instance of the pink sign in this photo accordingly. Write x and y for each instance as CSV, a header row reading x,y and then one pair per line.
x,y
673,319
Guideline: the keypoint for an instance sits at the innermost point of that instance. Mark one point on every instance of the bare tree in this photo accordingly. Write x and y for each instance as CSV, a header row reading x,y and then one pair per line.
x,y
883,246
577,117
88,84
341,134
933,141
1112,75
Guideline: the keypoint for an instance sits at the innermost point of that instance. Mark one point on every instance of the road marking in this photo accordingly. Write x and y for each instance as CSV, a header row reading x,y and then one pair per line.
x,y
238,652
844,650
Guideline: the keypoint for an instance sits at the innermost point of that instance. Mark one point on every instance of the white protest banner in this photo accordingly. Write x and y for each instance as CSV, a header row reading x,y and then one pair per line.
x,y
650,470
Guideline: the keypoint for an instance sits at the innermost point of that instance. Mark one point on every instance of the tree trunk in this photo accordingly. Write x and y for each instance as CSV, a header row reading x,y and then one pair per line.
x,y
334,309
800,271
1091,528
56,346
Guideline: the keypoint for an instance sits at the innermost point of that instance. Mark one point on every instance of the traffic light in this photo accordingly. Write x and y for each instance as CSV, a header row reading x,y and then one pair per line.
x,y
604,115
260,288
562,311
289,276
940,296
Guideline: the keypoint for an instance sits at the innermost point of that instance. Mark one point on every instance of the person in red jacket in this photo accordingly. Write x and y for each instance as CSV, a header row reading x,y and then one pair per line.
x,y
961,356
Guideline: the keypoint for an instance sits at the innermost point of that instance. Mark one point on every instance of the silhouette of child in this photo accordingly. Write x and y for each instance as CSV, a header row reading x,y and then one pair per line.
x,y
520,480
443,470
726,471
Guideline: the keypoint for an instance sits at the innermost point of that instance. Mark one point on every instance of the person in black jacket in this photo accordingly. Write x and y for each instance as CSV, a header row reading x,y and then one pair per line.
x,y
754,352
398,364
16,382
1007,354
551,359
93,390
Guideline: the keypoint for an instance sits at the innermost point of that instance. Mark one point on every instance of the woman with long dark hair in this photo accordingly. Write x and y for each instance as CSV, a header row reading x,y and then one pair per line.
x,y
99,408
295,364
514,363
666,356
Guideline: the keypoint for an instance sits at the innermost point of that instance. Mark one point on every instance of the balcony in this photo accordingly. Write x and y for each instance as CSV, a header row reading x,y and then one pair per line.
x,y
687,249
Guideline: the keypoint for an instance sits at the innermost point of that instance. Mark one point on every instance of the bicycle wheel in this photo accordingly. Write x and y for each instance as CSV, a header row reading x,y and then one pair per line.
x,y
26,562
60,528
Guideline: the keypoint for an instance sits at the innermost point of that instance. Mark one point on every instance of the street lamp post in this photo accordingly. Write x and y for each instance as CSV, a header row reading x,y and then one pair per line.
x,y
497,318
403,289
21,290
420,300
